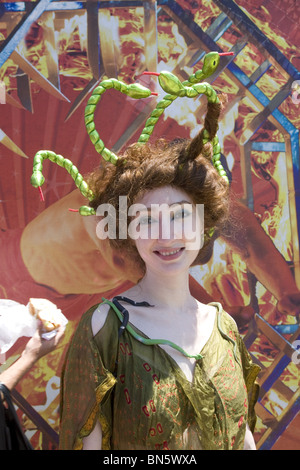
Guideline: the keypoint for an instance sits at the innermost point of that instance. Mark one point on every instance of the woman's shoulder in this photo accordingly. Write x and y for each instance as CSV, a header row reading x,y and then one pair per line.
x,y
98,317
93,320
224,317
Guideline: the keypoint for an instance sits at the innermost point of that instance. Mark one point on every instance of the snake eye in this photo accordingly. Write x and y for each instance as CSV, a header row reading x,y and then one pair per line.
x,y
214,62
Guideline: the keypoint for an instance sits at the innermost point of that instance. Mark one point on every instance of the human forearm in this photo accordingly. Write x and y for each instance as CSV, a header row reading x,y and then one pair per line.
x,y
249,443
11,376
273,272
94,440
36,348
260,254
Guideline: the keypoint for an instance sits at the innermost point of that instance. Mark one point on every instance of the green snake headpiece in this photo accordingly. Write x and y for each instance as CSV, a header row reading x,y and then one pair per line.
x,y
190,88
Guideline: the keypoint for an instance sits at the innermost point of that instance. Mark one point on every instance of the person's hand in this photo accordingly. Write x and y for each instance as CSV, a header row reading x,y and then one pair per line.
x,y
34,350
38,346
289,304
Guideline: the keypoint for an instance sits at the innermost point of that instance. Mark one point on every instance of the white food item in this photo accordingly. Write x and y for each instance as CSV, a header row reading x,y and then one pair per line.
x,y
47,312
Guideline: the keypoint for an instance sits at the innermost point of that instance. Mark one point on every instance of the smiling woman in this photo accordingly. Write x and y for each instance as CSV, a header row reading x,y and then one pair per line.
x,y
155,368
167,236
145,167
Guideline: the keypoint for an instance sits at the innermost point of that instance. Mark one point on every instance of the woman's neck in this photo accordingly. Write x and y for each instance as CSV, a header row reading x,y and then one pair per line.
x,y
166,291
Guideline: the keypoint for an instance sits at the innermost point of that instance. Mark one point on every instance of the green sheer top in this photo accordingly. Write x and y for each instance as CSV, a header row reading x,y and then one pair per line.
x,y
142,398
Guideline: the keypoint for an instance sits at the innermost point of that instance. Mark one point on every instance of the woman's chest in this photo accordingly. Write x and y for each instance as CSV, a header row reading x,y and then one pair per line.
x,y
181,338
154,402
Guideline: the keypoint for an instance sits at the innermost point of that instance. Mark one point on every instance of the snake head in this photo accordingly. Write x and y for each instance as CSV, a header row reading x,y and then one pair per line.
x,y
169,82
211,61
37,179
137,91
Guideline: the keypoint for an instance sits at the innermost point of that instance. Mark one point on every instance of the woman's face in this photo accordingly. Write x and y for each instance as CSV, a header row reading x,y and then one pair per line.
x,y
167,228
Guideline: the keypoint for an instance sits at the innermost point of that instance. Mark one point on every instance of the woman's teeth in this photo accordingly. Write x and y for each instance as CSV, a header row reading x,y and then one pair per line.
x,y
168,253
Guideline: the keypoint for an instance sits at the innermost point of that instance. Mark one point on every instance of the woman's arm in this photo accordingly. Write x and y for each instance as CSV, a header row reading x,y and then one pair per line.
x,y
249,443
94,440
264,260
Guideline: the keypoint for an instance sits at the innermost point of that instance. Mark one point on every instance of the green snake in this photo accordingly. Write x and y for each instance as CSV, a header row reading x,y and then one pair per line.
x,y
123,316
174,89
142,339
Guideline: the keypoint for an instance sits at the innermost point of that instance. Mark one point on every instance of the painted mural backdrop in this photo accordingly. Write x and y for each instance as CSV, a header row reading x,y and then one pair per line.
x,y
52,56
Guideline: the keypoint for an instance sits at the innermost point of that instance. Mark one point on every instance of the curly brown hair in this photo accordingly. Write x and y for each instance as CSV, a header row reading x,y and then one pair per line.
x,y
184,164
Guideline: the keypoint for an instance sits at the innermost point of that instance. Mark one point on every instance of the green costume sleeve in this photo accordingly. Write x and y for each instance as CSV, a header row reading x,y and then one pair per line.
x,y
87,382
251,372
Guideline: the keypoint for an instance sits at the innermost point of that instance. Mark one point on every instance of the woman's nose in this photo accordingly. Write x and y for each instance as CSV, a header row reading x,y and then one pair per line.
x,y
166,229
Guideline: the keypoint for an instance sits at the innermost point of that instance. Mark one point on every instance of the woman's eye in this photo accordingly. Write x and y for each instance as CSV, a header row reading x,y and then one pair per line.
x,y
181,214
146,220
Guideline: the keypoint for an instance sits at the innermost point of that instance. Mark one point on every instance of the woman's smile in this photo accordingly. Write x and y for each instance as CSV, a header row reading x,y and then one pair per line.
x,y
165,244
169,254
